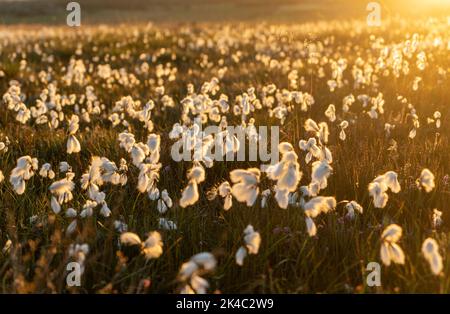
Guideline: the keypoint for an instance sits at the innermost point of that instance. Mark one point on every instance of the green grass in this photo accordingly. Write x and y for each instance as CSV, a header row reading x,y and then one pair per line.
x,y
289,260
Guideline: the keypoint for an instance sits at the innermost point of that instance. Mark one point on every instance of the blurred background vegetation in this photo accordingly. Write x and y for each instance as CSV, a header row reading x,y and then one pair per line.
x,y
164,11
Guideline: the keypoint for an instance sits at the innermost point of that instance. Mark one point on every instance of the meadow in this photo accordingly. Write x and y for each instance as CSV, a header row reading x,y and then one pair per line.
x,y
88,117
